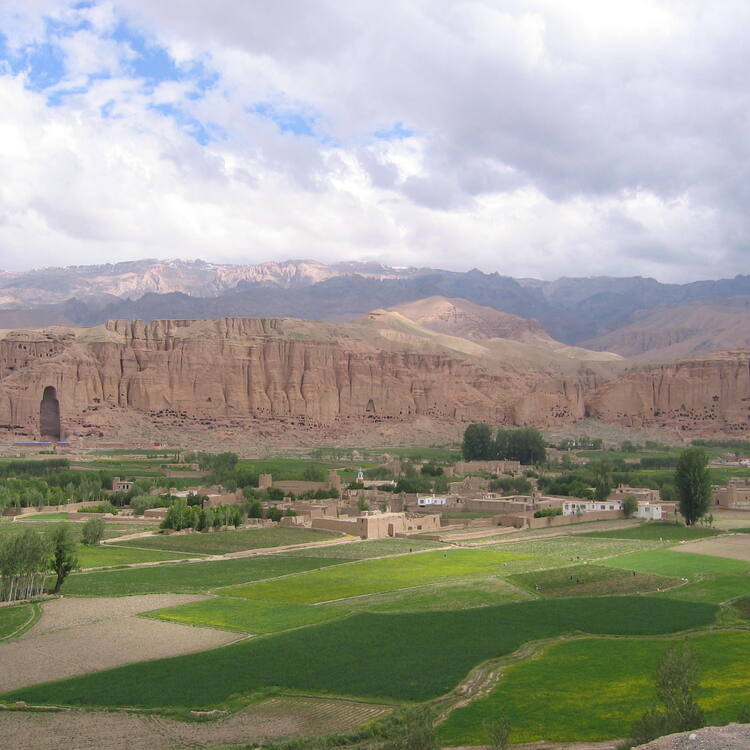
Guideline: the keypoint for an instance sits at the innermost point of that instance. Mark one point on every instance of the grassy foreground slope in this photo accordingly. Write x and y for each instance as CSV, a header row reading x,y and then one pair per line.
x,y
595,689
359,655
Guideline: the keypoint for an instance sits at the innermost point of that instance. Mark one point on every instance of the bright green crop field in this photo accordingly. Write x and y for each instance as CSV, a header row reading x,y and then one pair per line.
x,y
103,555
187,577
358,655
712,589
13,618
247,615
484,592
367,549
373,576
543,553
594,689
666,562
657,531
236,540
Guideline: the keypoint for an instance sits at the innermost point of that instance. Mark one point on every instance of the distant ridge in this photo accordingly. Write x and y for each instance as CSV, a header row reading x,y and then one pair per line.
x,y
574,311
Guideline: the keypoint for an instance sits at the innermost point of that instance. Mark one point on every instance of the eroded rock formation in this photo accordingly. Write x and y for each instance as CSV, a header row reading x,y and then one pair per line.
x,y
307,373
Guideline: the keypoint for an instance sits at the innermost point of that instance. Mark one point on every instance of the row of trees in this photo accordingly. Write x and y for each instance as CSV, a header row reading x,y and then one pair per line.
x,y
181,515
26,559
524,444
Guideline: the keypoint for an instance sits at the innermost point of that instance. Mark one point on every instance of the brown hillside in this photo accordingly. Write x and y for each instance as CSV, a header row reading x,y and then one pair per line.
x,y
679,331
459,317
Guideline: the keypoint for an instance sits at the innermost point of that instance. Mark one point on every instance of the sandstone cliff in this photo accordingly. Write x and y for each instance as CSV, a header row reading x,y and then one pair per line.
x,y
291,373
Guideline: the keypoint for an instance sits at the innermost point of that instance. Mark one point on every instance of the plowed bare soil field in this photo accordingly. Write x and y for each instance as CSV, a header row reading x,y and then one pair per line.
x,y
734,546
76,636
272,719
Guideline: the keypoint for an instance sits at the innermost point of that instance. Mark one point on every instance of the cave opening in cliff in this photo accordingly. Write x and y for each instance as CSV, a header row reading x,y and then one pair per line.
x,y
49,414
370,406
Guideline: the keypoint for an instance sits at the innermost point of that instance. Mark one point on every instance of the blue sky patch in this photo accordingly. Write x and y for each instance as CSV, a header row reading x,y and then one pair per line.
x,y
203,133
396,132
287,120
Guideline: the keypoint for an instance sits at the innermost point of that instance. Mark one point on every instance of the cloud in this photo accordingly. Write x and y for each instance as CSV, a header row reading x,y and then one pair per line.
x,y
534,138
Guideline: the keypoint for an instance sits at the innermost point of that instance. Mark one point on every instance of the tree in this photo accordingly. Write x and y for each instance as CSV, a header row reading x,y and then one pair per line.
x,y
92,532
693,484
497,731
525,444
478,444
629,506
602,471
63,545
676,685
23,562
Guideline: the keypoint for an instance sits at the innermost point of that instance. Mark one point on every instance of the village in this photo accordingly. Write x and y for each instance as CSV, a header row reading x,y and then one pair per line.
x,y
372,508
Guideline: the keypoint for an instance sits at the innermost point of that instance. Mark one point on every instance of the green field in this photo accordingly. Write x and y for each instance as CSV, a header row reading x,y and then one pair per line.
x,y
589,580
713,589
100,556
187,577
14,618
236,540
374,576
536,554
366,550
657,531
359,655
665,562
112,529
743,607
594,689
246,615
484,592
294,469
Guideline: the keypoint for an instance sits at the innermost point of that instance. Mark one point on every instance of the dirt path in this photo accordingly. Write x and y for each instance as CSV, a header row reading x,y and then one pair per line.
x,y
77,636
272,719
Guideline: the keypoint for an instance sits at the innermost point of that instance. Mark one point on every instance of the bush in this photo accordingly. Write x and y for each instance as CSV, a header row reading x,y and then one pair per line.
x,y
101,508
547,512
274,513
92,532
432,470
519,486
141,503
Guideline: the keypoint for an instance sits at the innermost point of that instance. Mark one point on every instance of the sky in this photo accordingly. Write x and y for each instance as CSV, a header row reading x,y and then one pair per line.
x,y
536,138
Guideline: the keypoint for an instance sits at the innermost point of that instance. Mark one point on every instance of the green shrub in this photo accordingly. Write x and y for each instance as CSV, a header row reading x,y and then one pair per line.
x,y
547,512
92,532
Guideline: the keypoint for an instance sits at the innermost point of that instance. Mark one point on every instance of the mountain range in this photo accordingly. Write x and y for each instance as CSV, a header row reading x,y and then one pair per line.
x,y
633,316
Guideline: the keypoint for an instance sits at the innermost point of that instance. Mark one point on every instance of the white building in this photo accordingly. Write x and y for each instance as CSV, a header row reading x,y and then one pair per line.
x,y
571,507
646,510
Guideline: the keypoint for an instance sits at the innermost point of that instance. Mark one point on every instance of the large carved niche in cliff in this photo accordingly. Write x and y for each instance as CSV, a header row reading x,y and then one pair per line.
x,y
49,414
